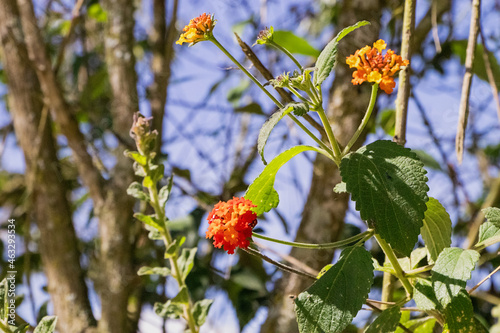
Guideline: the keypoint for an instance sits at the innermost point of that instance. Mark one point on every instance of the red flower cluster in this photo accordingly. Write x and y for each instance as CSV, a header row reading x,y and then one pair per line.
x,y
374,67
231,224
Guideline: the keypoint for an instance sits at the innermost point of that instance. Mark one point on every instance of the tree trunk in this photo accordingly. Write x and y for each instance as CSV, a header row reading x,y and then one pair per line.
x,y
324,211
32,124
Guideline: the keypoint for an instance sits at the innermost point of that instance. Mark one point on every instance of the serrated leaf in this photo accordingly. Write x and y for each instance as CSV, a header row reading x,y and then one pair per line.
x,y
186,262
200,311
149,220
490,228
451,271
261,192
163,271
424,296
436,231
46,325
327,57
164,192
459,315
492,214
387,321
169,310
268,126
136,190
294,43
388,184
173,248
331,303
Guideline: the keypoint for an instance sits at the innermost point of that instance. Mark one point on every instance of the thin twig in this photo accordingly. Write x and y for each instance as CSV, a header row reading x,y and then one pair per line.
x,y
467,82
489,71
290,259
75,15
484,280
287,97
278,264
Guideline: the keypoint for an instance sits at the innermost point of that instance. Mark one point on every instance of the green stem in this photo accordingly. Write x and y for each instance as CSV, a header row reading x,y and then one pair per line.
x,y
278,103
329,133
284,50
395,264
4,327
419,270
344,242
167,239
373,99
296,93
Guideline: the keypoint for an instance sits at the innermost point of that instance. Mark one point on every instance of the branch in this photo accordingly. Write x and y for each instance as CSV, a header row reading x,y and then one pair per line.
x,y
467,82
61,111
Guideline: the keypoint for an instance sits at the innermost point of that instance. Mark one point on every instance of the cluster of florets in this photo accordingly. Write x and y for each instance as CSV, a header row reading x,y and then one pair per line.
x,y
231,224
372,66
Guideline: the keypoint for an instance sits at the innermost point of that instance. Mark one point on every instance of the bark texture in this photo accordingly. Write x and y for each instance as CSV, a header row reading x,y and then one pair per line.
x,y
50,205
324,212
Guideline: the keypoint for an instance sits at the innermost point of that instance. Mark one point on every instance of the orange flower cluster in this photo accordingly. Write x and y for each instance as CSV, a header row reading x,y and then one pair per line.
x,y
199,29
231,224
374,67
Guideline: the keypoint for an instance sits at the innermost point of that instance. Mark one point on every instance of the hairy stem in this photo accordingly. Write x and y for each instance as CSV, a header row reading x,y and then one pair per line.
x,y
363,235
364,121
391,256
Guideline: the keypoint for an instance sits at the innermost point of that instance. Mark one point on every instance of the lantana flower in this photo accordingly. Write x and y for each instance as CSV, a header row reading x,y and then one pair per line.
x,y
372,66
265,36
199,29
231,224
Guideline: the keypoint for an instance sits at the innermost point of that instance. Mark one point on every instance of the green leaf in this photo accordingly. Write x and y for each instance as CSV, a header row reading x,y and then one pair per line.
x,y
96,12
182,296
253,108
200,311
163,271
490,228
387,121
387,321
270,123
154,234
136,190
493,215
424,296
416,256
22,329
420,325
436,231
459,47
164,192
136,156
186,262
331,303
46,325
388,183
451,271
174,247
169,310
261,192
428,160
149,220
294,43
327,57
459,315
